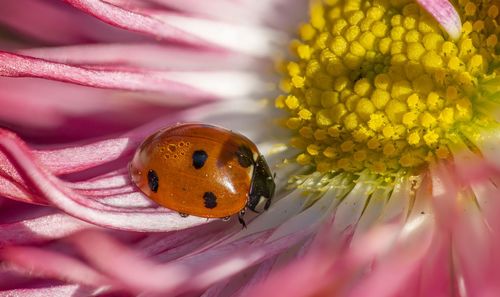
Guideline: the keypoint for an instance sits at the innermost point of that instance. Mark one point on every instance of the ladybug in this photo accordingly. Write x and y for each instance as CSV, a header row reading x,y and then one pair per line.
x,y
202,170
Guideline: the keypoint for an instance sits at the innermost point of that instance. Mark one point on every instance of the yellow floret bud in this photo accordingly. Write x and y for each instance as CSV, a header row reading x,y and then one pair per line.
x,y
375,13
431,60
304,51
339,45
298,81
347,146
388,131
357,49
365,108
305,114
470,8
384,45
306,132
307,32
352,33
351,121
410,119
317,16
442,152
292,102
413,36
359,156
397,33
304,159
338,26
313,149
395,110
492,40
414,138
427,120
389,149
432,41
415,50
320,134
383,81
293,123
431,138
363,87
329,152
377,121
493,11
379,29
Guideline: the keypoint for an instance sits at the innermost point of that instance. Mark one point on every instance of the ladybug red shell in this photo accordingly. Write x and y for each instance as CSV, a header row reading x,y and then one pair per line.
x,y
202,170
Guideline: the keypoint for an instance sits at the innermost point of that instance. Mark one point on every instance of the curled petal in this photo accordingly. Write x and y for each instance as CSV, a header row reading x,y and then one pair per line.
x,y
71,159
447,16
58,194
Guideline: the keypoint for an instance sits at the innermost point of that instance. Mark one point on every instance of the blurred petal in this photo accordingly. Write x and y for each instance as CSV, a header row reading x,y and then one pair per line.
x,y
188,273
44,228
52,265
56,24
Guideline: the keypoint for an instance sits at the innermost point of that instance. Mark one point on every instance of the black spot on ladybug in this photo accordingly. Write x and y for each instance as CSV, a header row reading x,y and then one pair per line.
x,y
210,200
245,156
153,180
199,158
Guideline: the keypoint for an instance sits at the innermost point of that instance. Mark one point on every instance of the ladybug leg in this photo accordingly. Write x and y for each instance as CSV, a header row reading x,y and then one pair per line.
x,y
184,215
225,219
252,202
268,203
240,218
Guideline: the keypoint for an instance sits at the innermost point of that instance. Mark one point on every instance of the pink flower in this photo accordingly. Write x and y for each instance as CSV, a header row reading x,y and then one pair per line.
x,y
384,148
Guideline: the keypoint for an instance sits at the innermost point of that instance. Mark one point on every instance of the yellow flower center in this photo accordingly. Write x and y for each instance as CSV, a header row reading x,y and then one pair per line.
x,y
377,85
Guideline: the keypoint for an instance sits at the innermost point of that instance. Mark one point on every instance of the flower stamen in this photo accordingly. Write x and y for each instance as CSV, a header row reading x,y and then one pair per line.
x,y
378,85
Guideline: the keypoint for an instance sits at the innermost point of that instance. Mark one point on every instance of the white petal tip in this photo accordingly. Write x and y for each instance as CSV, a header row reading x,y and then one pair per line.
x,y
445,14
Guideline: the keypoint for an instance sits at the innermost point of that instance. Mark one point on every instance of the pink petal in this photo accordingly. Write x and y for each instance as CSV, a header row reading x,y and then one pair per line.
x,y
204,85
175,27
36,230
447,16
53,291
226,10
22,66
145,55
445,193
65,111
71,159
54,23
52,265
